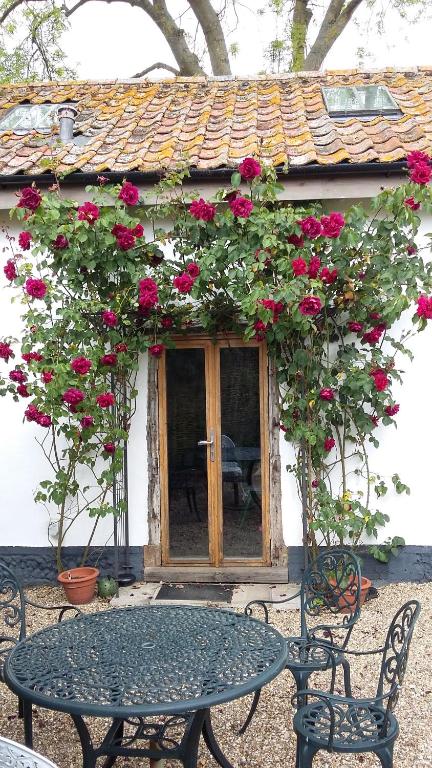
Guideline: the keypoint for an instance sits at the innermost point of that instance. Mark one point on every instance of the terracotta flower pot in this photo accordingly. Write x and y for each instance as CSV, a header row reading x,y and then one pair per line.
x,y
347,599
79,584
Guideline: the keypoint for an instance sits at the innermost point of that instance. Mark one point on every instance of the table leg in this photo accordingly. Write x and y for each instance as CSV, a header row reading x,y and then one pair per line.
x,y
89,756
156,763
212,744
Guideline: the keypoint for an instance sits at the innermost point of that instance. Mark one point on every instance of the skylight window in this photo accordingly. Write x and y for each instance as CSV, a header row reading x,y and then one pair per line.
x,y
30,117
359,101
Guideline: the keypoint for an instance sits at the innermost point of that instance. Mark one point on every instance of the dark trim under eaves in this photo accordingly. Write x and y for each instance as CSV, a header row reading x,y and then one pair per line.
x,y
212,174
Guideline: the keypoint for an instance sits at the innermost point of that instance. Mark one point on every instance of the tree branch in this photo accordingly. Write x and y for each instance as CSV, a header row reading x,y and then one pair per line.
x,y
13,6
333,25
157,65
300,23
211,26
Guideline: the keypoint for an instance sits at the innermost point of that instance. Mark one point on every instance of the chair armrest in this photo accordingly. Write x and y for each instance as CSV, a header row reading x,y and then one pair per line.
x,y
264,603
62,608
363,653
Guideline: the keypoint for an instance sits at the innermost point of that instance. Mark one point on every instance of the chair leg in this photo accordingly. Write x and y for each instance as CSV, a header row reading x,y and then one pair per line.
x,y
236,494
305,753
28,724
385,756
301,680
347,676
251,713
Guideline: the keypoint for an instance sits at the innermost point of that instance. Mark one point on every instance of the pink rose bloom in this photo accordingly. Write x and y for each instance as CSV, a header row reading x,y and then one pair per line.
x,y
148,293
201,210
109,448
392,410
380,378
249,168
326,394
35,288
310,305
411,203
10,270
156,350
329,443
47,376
332,225
311,227
183,283
22,390
31,413
421,173
30,198
5,351
73,396
87,421
314,267
129,193
60,243
167,321
296,240
105,400
415,157
29,356
109,318
81,365
299,267
241,207
355,327
109,359
24,240
138,230
424,307
44,420
193,269
18,376
328,276
88,212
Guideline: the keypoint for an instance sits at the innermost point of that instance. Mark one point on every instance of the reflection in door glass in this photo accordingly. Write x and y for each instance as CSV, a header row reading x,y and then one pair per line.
x,y
241,452
187,463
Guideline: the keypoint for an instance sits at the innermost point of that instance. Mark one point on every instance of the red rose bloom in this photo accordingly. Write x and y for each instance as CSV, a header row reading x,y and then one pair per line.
x,y
299,267
105,400
47,376
109,448
296,240
332,225
310,305
109,318
326,394
121,347
126,240
81,365
24,240
201,210
241,207
311,227
73,396
373,336
183,283
88,212
314,267
328,276
18,376
167,322
10,270
138,230
355,327
193,269
392,410
129,193
411,203
156,350
30,198
119,229
249,168
87,421
424,307
22,390
315,483
5,351
35,288
329,443
60,243
421,173
29,356
148,293
415,157
44,420
380,378
274,306
411,249
109,359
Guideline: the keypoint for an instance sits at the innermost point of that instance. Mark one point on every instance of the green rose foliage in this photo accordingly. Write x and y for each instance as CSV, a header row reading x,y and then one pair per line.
x,y
335,298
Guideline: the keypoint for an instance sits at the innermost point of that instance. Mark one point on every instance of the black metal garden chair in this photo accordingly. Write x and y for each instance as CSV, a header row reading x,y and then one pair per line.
x,y
350,725
329,607
13,603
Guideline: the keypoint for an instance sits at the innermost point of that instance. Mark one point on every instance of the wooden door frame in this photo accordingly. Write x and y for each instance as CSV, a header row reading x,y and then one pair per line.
x,y
215,526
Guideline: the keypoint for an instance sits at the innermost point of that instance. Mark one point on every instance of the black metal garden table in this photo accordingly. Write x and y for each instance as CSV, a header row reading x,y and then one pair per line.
x,y
155,671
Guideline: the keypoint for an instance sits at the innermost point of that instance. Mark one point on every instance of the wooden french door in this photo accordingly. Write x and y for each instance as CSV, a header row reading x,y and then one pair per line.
x,y
214,453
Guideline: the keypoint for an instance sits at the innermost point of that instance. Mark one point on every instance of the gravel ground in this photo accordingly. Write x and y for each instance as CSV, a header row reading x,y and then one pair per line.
x,y
269,740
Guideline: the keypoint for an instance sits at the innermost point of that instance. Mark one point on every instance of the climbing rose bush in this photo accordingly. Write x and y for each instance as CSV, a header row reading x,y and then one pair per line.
x,y
323,290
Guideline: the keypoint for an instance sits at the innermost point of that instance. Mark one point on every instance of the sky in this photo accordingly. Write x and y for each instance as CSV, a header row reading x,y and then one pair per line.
x,y
110,41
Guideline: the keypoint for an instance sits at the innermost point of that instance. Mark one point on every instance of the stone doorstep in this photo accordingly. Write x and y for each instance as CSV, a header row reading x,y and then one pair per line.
x,y
146,594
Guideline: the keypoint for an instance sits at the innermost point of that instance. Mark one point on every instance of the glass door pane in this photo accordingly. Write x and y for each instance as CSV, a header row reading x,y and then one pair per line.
x,y
241,452
187,462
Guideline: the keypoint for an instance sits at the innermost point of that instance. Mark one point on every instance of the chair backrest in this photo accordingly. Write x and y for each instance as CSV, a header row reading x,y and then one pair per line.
x,y
395,654
12,611
330,591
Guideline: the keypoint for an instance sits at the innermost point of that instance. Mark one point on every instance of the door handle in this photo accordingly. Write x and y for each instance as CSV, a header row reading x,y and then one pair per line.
x,y
210,443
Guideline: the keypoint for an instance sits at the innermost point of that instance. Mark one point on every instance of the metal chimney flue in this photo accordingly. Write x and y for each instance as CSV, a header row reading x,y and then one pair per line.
x,y
66,116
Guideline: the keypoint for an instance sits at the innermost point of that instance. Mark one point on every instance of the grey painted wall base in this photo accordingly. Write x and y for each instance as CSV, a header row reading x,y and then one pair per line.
x,y
414,563
36,565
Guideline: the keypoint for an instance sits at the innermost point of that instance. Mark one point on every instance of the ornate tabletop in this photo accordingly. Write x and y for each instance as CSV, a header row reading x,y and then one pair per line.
x,y
13,755
145,660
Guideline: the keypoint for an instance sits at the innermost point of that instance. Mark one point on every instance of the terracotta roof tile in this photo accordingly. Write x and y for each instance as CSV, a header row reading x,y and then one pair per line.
x,y
211,122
